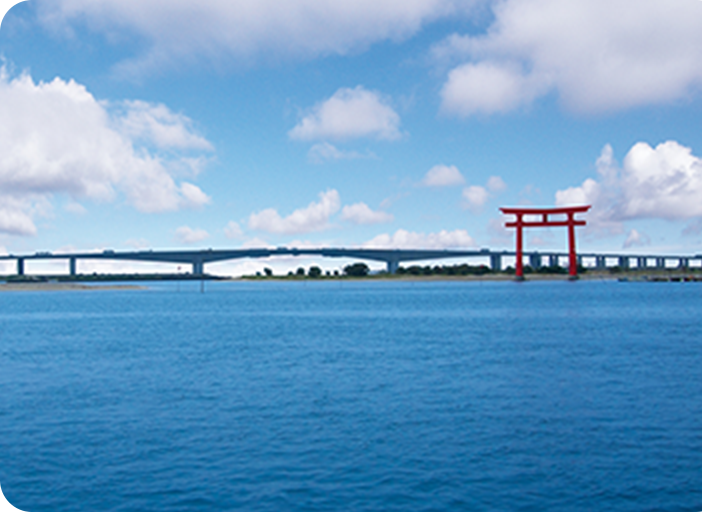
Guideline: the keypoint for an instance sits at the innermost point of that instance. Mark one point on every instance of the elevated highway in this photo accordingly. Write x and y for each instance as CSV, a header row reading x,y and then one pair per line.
x,y
391,257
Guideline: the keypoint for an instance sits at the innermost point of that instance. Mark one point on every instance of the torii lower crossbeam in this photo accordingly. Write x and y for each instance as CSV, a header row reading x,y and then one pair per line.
x,y
541,216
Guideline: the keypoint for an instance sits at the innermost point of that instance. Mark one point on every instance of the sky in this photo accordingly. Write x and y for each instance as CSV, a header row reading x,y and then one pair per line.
x,y
155,124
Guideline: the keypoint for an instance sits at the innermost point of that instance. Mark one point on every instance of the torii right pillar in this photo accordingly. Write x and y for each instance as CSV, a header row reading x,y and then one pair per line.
x,y
539,217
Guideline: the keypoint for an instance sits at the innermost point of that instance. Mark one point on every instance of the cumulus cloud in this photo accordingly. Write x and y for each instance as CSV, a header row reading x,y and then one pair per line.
x,y
56,138
315,217
360,213
233,230
325,152
16,214
192,196
664,182
636,239
476,196
443,176
596,55
604,196
495,184
349,114
161,127
487,88
403,239
187,235
178,30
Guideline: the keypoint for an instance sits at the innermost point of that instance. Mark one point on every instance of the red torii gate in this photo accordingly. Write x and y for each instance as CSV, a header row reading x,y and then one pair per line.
x,y
570,222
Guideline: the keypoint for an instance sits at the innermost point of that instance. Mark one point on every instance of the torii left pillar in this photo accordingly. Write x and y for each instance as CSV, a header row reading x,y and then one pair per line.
x,y
542,215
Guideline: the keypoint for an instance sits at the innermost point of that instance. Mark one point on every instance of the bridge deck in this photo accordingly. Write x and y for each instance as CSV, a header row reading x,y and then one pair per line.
x,y
392,257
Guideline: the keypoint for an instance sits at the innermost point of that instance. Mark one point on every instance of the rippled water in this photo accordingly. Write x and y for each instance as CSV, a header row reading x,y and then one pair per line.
x,y
353,396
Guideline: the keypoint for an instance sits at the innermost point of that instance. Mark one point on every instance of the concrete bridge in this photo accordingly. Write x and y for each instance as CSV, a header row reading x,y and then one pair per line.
x,y
391,257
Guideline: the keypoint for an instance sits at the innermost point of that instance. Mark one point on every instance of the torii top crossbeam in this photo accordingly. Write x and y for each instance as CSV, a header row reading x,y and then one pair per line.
x,y
543,220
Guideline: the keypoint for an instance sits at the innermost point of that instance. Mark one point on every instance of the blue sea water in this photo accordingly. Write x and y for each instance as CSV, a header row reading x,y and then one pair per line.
x,y
353,396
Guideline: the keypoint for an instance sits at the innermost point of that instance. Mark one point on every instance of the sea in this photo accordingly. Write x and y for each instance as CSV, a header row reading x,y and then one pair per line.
x,y
353,396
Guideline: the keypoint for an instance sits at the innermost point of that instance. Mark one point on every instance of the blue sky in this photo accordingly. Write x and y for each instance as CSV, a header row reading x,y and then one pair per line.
x,y
166,123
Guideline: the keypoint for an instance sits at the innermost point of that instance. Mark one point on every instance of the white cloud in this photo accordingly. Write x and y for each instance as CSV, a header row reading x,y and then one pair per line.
x,y
192,196
403,239
56,138
495,184
16,215
315,217
178,31
664,182
636,239
602,196
75,208
476,196
360,213
597,55
159,126
233,230
349,114
323,152
486,88
588,193
188,235
443,176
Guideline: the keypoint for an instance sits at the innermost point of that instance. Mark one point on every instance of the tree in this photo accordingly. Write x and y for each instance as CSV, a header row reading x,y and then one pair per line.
x,y
356,270
300,272
268,272
314,272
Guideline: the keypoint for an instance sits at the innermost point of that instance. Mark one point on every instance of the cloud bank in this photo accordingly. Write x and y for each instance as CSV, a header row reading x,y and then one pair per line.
x,y
664,182
57,138
596,55
241,29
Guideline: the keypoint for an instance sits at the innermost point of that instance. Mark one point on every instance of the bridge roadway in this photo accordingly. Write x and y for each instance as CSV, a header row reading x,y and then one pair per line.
x,y
391,257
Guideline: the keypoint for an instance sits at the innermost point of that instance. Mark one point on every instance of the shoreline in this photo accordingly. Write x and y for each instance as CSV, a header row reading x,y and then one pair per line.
x,y
117,285
63,287
589,276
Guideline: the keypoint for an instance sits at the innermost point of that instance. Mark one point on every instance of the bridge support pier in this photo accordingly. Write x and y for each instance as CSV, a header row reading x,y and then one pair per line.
x,y
20,266
600,262
198,267
393,265
553,260
535,261
641,262
660,262
496,262
623,261
72,266
683,263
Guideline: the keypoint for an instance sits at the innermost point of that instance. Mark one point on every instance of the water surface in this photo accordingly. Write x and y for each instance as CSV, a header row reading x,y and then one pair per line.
x,y
392,396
